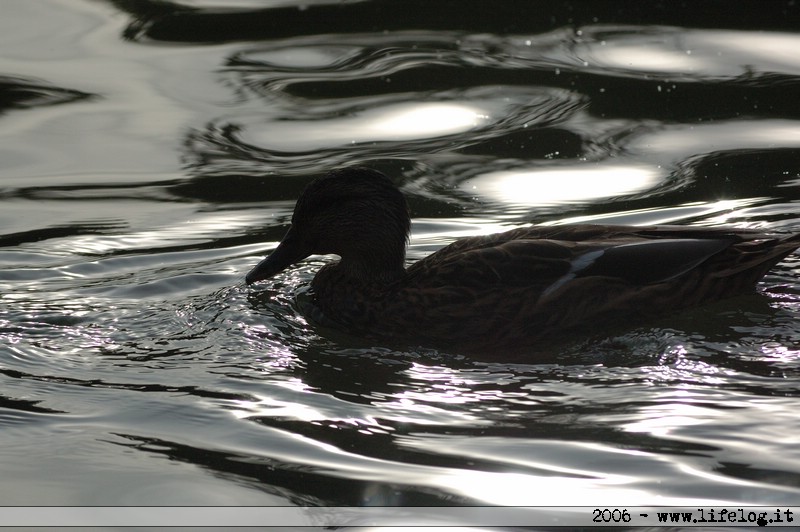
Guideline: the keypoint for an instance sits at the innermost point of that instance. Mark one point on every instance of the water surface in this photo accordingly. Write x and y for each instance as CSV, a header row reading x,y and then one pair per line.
x,y
151,154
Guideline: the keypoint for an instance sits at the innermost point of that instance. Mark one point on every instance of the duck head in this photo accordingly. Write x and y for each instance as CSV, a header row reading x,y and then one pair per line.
x,y
356,213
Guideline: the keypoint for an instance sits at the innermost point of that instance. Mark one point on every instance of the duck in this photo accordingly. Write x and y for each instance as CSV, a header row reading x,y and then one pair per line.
x,y
507,290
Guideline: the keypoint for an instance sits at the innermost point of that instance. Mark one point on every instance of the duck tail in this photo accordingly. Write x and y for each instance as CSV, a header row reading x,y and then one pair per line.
x,y
759,255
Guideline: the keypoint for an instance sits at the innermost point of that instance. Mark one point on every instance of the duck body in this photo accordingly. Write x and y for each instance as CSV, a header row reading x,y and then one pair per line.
x,y
507,290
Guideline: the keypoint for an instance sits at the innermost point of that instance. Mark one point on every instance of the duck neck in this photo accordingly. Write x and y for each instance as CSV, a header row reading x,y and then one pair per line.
x,y
373,268
373,252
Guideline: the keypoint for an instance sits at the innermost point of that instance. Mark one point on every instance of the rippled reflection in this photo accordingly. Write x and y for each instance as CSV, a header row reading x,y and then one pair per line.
x,y
397,122
672,53
555,186
424,120
152,153
679,142
720,212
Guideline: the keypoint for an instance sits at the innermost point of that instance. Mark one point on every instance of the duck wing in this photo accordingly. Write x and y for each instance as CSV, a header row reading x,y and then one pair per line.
x,y
657,254
531,283
552,256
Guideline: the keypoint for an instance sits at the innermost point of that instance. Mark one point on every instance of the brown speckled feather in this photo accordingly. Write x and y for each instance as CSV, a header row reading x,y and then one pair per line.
x,y
515,287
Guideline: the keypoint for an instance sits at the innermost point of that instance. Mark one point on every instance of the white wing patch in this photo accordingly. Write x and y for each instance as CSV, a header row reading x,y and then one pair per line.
x,y
579,263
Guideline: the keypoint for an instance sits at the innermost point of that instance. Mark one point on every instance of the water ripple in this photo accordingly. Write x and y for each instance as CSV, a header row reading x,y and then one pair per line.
x,y
136,366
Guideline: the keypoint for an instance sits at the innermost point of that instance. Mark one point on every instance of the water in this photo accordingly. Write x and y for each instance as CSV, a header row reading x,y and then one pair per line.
x,y
152,154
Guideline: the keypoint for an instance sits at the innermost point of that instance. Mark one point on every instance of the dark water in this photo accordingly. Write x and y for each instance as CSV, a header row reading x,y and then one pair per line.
x,y
151,153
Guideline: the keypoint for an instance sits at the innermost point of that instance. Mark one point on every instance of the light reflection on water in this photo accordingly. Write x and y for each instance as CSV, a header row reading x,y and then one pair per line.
x,y
683,141
396,122
676,52
563,185
141,179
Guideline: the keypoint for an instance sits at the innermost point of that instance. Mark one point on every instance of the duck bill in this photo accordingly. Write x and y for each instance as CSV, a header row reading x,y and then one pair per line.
x,y
287,253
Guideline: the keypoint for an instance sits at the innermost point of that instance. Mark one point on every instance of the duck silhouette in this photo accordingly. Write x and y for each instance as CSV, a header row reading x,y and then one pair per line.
x,y
505,290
